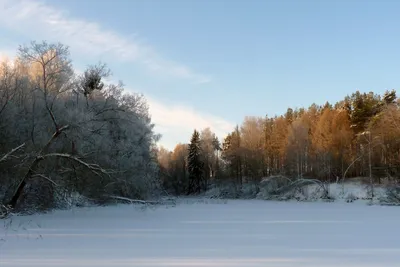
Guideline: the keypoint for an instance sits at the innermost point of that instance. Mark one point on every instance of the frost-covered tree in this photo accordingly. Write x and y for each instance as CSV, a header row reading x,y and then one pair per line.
x,y
75,134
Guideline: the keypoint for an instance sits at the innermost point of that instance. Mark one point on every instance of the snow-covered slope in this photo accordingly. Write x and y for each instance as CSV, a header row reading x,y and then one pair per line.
x,y
242,233
311,190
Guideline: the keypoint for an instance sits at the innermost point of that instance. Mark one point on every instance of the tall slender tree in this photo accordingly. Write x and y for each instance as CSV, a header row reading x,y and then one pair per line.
x,y
195,165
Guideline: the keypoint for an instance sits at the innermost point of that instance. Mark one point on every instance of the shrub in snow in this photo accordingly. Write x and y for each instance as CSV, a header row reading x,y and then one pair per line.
x,y
270,186
228,191
233,191
392,196
249,191
71,199
213,192
283,188
38,196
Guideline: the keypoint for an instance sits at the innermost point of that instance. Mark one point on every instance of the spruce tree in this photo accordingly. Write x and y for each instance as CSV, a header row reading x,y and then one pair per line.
x,y
195,164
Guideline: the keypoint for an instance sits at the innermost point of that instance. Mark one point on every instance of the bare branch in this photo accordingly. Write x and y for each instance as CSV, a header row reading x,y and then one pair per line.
x,y
95,168
4,158
54,136
46,178
351,164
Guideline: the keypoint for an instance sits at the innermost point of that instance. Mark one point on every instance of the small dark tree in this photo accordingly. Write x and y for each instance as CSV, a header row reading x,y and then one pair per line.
x,y
195,164
91,79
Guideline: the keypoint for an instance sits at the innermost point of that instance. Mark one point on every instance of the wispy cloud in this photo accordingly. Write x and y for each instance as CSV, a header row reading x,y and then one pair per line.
x,y
38,20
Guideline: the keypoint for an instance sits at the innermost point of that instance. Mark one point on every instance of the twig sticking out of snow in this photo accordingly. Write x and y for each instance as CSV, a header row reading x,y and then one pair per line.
x,y
5,211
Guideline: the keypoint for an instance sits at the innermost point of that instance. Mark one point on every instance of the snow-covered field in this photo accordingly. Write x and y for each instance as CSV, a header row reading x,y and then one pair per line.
x,y
243,233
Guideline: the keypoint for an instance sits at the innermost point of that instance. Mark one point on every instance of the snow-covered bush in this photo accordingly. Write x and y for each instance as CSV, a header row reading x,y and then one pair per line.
x,y
214,192
249,190
392,195
284,188
66,200
223,190
270,186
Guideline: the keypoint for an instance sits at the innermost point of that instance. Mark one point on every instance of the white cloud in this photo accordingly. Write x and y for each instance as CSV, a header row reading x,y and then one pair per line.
x,y
177,122
38,20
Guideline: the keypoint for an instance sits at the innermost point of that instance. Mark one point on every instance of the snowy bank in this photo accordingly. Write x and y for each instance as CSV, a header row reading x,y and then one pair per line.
x,y
284,189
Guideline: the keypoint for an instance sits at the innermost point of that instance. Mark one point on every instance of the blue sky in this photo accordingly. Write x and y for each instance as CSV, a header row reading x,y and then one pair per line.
x,y
210,63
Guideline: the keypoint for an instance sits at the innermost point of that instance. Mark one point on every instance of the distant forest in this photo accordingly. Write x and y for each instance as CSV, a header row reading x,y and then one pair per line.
x,y
356,137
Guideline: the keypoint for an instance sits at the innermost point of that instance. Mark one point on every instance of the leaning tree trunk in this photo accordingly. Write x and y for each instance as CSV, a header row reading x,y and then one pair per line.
x,y
33,166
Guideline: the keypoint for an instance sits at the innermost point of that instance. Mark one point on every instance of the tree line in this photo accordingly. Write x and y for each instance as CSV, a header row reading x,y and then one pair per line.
x,y
66,135
358,136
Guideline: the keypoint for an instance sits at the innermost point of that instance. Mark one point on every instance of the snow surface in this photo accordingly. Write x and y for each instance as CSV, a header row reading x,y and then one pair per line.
x,y
242,233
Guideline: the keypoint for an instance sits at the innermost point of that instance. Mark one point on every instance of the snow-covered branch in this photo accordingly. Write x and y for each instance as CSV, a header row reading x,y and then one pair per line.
x,y
45,178
6,156
137,201
95,168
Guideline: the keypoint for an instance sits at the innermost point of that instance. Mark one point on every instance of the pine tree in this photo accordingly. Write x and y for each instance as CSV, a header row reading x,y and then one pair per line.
x,y
195,164
389,97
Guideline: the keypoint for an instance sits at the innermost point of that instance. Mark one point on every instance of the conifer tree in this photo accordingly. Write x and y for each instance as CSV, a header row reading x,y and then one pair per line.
x,y
195,164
